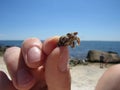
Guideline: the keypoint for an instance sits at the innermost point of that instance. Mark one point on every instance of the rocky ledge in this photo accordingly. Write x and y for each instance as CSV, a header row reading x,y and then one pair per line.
x,y
109,57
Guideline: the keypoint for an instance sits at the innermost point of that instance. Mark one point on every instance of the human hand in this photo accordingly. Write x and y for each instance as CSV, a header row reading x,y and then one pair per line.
x,y
36,66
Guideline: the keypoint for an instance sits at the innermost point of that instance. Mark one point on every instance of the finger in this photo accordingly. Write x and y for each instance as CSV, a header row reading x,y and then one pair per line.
x,y
32,52
5,83
21,77
50,44
56,69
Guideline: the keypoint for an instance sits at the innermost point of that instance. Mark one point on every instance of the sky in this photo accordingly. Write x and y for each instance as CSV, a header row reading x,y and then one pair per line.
x,y
92,19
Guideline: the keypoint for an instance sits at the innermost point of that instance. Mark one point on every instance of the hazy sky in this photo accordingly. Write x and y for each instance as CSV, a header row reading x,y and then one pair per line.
x,y
93,19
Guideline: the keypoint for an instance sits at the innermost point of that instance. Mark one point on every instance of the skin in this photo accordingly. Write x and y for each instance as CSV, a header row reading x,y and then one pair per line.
x,y
110,80
48,72
31,69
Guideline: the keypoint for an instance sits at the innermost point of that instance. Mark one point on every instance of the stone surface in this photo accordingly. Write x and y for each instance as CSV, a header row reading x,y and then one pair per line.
x,y
94,56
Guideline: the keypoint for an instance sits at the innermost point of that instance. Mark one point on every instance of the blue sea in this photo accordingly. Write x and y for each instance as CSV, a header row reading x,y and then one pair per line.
x,y
80,51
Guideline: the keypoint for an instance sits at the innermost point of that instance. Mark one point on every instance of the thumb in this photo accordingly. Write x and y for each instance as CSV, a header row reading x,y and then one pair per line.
x,y
57,72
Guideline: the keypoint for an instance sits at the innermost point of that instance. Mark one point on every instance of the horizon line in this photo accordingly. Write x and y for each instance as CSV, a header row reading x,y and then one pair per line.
x,y
43,40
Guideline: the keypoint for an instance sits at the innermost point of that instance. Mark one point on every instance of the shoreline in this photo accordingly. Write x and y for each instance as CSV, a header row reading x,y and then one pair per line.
x,y
83,77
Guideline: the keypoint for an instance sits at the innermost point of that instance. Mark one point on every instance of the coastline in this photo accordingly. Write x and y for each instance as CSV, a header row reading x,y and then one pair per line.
x,y
78,52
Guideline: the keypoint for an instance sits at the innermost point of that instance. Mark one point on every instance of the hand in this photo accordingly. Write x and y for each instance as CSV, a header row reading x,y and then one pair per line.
x,y
36,66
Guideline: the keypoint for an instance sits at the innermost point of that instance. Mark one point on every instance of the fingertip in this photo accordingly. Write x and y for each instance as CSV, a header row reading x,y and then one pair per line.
x,y
50,44
31,42
32,52
20,75
11,53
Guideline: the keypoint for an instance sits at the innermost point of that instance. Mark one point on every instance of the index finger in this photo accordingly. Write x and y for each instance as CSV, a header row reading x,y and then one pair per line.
x,y
50,44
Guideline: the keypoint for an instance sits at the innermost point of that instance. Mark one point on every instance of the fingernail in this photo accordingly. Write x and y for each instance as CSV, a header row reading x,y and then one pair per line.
x,y
34,54
23,77
63,61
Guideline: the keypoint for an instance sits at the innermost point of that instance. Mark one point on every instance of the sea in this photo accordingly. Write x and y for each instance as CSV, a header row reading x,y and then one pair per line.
x,y
80,51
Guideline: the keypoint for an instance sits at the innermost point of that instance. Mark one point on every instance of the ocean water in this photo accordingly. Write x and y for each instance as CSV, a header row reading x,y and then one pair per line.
x,y
80,51
11,42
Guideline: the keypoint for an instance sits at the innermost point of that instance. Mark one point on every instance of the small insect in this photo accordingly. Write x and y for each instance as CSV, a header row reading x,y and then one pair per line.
x,y
69,39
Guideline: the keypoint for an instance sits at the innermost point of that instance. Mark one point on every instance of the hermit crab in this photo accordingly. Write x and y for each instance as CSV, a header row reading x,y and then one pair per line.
x,y
70,39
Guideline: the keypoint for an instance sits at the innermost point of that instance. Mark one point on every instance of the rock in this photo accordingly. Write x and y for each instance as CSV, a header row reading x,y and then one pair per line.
x,y
94,56
84,62
75,61
112,52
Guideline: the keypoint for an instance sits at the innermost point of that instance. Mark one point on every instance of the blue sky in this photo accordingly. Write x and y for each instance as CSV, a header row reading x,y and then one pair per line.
x,y
92,19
